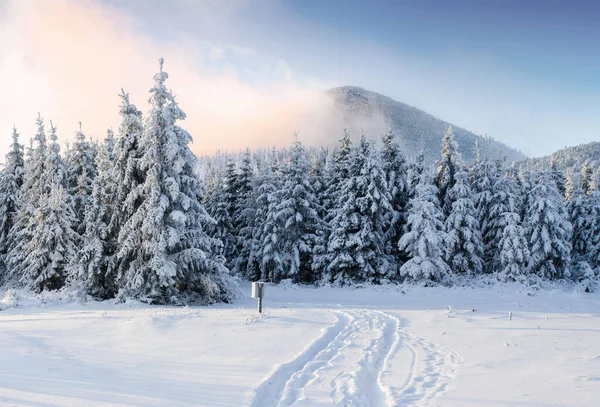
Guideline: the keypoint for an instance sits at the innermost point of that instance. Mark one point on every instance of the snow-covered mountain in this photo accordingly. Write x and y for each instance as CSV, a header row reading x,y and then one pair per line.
x,y
417,130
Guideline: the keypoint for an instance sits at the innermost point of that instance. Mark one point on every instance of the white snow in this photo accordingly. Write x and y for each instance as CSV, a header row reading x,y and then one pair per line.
x,y
377,347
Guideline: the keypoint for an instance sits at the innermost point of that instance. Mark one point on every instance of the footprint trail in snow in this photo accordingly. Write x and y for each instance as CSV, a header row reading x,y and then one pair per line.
x,y
365,359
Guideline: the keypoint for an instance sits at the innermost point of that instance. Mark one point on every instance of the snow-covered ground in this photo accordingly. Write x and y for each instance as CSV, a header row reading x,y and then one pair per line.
x,y
312,347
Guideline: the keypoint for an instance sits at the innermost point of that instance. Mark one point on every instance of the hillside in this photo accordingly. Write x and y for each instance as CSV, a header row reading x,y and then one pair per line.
x,y
416,129
569,159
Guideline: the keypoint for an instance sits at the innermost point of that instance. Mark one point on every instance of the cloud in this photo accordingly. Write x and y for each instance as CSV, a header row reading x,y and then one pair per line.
x,y
68,60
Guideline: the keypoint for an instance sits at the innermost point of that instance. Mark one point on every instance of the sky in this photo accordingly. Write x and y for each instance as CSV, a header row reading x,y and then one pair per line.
x,y
250,73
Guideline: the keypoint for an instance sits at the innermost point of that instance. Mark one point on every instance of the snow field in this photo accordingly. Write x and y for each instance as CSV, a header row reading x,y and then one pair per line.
x,y
312,347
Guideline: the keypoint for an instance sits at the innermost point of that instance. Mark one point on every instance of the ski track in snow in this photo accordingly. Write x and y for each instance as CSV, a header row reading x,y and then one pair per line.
x,y
353,363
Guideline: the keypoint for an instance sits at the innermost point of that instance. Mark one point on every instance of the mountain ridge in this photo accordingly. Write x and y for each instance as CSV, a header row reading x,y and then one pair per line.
x,y
416,129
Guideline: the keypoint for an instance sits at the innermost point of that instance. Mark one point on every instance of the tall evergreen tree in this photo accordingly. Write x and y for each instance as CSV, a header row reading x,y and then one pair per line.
x,y
504,199
298,217
548,230
55,169
339,174
513,249
11,180
82,171
243,214
559,178
94,269
30,194
394,167
415,171
580,211
128,177
464,241
267,259
356,250
424,238
447,167
230,198
483,178
53,243
174,258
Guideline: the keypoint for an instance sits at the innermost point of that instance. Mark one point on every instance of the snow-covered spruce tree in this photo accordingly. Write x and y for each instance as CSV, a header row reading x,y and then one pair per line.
x,y
394,167
267,258
585,181
413,177
230,196
94,270
82,171
11,180
482,177
243,215
338,176
265,186
558,177
356,247
504,199
579,211
592,209
464,241
53,242
548,230
30,194
447,167
128,176
297,215
320,178
216,206
424,238
55,169
513,249
174,259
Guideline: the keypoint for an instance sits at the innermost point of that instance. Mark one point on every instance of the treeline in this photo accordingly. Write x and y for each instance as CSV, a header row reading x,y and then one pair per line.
x,y
131,218
361,213
120,219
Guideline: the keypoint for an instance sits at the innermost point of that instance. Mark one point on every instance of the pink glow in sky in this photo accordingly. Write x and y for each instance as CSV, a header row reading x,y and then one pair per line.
x,y
68,60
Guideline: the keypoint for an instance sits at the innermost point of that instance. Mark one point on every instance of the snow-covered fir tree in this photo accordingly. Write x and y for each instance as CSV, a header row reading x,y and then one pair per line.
x,y
30,194
504,200
221,229
175,260
229,199
82,171
483,177
320,177
53,242
243,214
464,241
298,217
94,269
267,259
425,239
11,180
340,172
415,171
513,249
55,169
128,177
559,178
356,247
548,230
447,167
394,167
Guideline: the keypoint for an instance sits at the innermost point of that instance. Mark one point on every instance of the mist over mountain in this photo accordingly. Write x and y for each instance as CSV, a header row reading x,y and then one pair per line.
x,y
417,130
